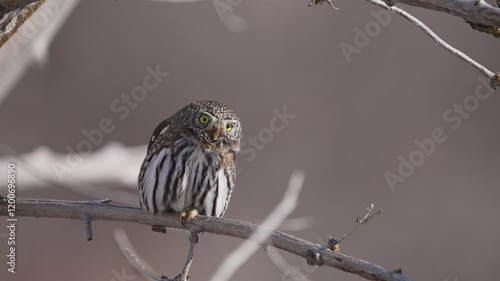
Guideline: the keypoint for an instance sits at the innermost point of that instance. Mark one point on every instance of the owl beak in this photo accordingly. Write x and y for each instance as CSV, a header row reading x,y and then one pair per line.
x,y
217,132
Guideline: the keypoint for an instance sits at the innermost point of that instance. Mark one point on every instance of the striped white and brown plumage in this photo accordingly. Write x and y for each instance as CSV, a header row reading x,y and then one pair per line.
x,y
190,165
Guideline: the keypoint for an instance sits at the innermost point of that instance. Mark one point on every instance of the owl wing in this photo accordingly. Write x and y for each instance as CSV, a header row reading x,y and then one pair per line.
x,y
161,175
161,129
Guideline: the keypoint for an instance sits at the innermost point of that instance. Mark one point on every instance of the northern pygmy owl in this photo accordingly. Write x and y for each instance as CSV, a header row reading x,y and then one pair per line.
x,y
190,162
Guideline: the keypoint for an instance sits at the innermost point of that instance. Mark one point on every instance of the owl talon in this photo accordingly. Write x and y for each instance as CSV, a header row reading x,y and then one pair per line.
x,y
336,248
188,217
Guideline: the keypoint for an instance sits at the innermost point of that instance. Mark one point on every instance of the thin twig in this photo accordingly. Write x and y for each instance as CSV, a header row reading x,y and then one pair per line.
x,y
193,240
228,227
234,260
332,242
88,226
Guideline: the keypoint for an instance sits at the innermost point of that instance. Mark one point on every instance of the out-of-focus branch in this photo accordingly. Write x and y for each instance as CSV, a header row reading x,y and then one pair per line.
x,y
234,260
27,28
91,174
136,261
13,14
104,211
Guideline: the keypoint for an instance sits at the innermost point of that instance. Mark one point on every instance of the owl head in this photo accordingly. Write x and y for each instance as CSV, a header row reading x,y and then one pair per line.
x,y
213,123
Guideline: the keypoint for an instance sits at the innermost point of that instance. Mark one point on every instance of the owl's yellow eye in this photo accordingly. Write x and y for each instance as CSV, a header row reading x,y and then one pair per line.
x,y
204,119
229,127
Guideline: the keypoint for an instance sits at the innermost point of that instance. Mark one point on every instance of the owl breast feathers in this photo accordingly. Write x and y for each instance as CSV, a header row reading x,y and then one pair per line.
x,y
190,161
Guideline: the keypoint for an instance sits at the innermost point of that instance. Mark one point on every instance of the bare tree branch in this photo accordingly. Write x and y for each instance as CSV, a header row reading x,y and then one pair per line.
x,y
479,14
477,11
103,211
494,77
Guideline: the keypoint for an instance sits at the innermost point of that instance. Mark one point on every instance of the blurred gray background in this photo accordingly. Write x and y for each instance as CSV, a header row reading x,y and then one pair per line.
x,y
352,122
